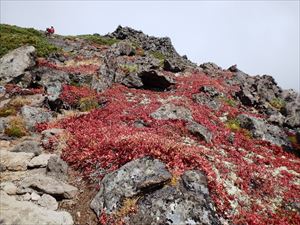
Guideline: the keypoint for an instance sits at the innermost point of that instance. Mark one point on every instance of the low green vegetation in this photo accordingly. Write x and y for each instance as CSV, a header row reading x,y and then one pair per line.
x,y
87,104
12,37
97,39
129,68
13,106
277,103
7,111
138,49
233,125
16,128
158,55
228,101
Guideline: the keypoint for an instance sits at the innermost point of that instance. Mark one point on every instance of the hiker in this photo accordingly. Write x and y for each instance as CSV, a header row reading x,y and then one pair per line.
x,y
49,31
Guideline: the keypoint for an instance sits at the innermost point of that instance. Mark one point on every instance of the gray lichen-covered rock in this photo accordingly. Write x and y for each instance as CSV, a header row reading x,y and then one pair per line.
x,y
187,202
199,131
48,202
15,161
123,48
171,111
16,62
23,212
130,180
3,122
203,99
33,116
50,186
9,187
29,147
40,161
262,130
291,108
57,168
50,133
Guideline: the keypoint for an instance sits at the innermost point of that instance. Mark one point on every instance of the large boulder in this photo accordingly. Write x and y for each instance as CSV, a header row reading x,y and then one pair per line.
x,y
187,202
199,131
23,212
130,180
123,48
262,130
14,161
291,109
40,161
256,91
16,62
57,168
48,202
171,111
172,66
29,146
203,99
33,116
49,185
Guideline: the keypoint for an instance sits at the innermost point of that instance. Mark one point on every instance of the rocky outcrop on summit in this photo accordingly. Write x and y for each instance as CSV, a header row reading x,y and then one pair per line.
x,y
148,43
164,45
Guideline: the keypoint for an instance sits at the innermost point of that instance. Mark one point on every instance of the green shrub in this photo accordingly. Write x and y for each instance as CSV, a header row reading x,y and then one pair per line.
x,y
16,128
88,103
99,39
12,37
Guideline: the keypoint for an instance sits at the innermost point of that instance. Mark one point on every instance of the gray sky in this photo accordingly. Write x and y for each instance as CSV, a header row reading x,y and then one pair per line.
x,y
261,37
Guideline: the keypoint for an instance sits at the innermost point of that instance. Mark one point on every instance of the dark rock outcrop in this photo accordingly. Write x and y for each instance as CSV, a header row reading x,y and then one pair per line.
x,y
199,131
185,202
262,130
130,180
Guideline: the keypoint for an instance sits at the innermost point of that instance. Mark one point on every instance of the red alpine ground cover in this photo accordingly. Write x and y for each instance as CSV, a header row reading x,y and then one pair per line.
x,y
251,181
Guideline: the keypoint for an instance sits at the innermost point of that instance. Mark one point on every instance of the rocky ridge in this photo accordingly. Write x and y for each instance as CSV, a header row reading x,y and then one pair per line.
x,y
167,141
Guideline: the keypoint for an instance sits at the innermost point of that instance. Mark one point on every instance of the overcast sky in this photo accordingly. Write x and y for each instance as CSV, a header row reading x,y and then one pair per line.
x,y
261,37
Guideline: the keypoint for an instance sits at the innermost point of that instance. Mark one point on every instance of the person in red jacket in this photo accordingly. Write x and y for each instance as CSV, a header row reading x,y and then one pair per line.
x,y
50,31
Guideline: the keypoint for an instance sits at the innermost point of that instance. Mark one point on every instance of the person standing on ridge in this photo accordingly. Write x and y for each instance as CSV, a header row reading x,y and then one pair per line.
x,y
50,31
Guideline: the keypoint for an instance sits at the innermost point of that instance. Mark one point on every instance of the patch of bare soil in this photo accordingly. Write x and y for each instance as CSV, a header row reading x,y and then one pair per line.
x,y
79,207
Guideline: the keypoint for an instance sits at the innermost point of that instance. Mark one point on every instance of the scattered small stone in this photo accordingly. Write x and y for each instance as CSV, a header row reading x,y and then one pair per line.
x,y
29,147
34,196
25,212
9,187
50,186
40,161
57,168
48,202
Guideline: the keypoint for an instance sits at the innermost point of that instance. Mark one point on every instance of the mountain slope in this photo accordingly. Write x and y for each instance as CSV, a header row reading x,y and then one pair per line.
x,y
132,95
